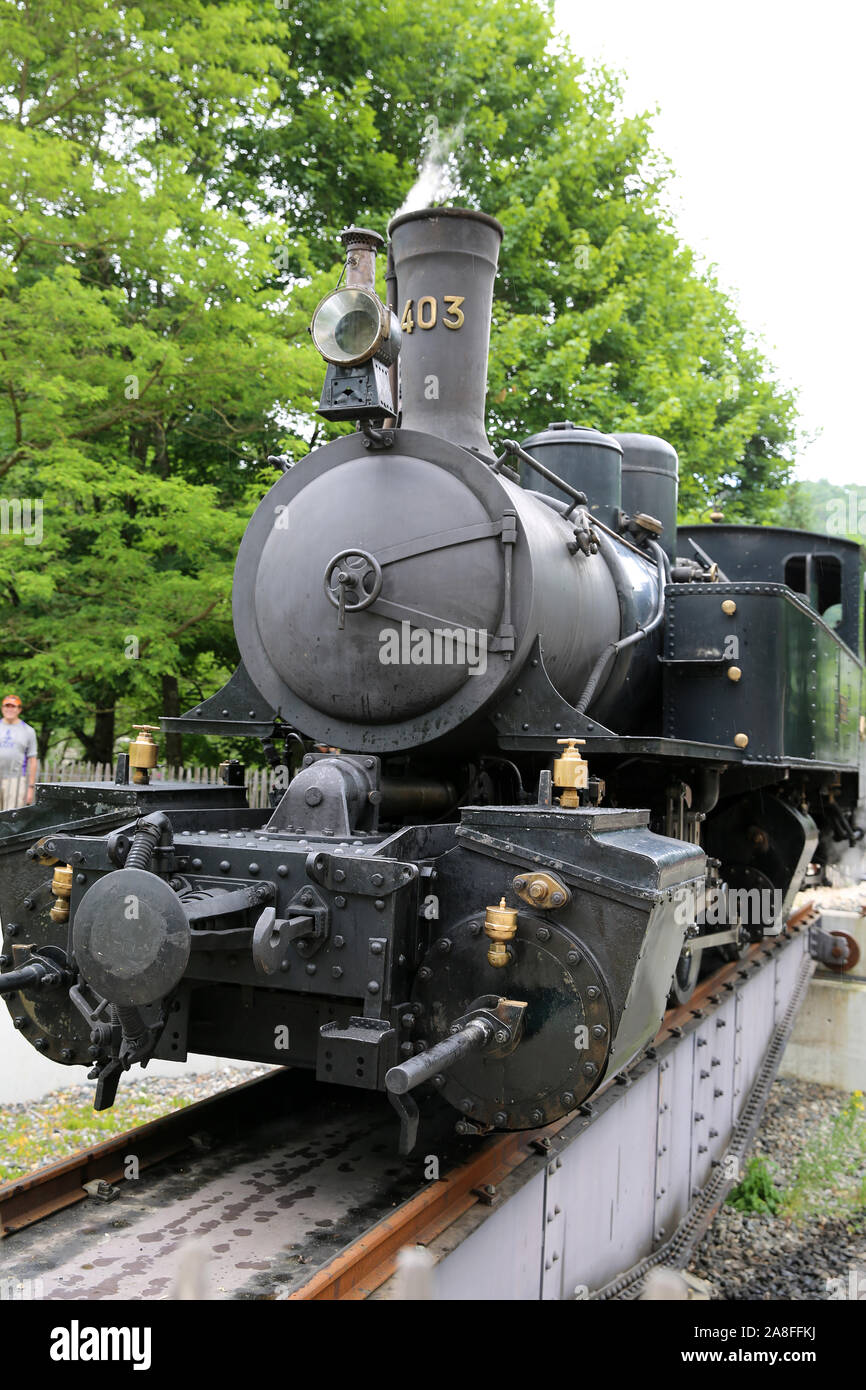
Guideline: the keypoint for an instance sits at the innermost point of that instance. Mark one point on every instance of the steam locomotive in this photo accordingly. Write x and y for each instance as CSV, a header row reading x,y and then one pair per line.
x,y
552,749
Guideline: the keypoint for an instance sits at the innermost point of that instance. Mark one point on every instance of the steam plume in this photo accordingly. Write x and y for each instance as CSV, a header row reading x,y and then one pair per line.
x,y
437,175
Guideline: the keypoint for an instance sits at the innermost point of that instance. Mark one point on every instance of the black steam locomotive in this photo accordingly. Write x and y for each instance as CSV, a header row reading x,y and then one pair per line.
x,y
552,750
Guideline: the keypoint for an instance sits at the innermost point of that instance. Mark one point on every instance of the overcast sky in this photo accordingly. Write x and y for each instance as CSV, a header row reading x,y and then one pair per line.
x,y
761,113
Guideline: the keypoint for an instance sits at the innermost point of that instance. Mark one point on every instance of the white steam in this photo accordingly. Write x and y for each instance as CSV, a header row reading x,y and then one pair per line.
x,y
437,177
847,865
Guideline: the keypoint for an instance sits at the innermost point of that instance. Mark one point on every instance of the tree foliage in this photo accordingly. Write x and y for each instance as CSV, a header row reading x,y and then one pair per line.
x,y
173,177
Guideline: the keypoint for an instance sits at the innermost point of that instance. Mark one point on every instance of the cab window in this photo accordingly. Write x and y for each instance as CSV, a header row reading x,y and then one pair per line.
x,y
819,579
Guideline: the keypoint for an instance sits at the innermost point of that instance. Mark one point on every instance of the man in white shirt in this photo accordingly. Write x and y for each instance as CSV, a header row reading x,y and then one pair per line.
x,y
18,760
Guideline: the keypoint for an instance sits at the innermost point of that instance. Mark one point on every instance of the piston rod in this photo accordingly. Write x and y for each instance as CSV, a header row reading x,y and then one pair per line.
x,y
474,1035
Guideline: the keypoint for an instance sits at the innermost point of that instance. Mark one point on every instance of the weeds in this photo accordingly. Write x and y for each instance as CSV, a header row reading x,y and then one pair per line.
x,y
47,1133
831,1176
830,1179
757,1191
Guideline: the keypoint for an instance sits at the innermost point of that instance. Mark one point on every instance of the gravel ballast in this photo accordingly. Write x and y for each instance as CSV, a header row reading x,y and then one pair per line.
x,y
755,1255
36,1133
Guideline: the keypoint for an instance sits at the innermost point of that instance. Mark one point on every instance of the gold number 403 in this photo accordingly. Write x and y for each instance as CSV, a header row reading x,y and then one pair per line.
x,y
427,312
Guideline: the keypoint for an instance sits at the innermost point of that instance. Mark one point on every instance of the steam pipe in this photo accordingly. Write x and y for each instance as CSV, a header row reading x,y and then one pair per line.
x,y
148,833
391,303
510,446
25,977
46,969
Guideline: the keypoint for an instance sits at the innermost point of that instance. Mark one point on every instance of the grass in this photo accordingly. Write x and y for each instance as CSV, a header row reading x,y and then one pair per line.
x,y
53,1129
831,1175
830,1178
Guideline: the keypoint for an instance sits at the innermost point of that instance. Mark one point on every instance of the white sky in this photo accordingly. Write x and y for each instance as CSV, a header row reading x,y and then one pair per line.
x,y
760,112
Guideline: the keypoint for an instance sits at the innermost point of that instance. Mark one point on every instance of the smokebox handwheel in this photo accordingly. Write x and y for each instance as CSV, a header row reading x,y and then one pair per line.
x,y
353,580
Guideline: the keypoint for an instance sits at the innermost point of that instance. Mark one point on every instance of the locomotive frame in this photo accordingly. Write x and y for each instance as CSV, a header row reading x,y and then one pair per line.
x,y
436,897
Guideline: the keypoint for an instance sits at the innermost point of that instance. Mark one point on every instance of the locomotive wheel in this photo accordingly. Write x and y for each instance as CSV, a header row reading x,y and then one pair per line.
x,y
566,1032
685,978
738,877
852,958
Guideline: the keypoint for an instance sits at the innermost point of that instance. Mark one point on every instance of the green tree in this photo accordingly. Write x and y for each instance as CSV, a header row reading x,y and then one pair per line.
x,y
173,177
601,314
140,344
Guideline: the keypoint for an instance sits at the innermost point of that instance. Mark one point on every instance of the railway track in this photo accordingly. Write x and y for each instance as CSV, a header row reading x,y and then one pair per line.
x,y
60,1185
330,1163
371,1261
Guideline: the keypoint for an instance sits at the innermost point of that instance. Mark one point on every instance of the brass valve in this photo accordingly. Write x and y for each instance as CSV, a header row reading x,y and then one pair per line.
x,y
542,890
143,753
500,925
648,523
570,772
61,886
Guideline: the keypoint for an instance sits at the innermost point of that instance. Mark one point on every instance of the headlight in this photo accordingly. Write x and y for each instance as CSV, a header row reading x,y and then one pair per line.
x,y
350,326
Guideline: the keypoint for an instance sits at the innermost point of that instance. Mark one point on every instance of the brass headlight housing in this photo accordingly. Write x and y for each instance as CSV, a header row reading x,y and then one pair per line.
x,y
350,326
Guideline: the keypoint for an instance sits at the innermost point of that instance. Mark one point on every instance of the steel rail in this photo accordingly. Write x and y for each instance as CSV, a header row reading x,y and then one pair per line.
x,y
366,1264
60,1185
361,1267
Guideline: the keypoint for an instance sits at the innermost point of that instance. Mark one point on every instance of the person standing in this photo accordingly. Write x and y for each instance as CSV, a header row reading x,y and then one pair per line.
x,y
18,761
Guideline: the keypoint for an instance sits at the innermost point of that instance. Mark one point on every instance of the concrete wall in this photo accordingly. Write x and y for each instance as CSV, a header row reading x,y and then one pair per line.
x,y
828,1044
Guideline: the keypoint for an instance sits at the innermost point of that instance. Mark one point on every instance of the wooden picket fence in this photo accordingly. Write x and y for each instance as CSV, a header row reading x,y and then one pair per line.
x,y
258,780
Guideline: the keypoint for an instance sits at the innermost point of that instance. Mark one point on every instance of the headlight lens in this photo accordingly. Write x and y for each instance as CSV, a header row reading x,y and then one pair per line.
x,y
348,326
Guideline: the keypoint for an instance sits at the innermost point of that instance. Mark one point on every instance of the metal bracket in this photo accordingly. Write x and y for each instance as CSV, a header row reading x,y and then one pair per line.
x,y
236,710
107,1081
308,917
505,1016
335,795
407,1109
534,714
356,1054
374,878
719,938
238,900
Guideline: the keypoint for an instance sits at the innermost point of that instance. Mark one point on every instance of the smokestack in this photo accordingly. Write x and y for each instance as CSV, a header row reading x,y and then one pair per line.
x,y
445,261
